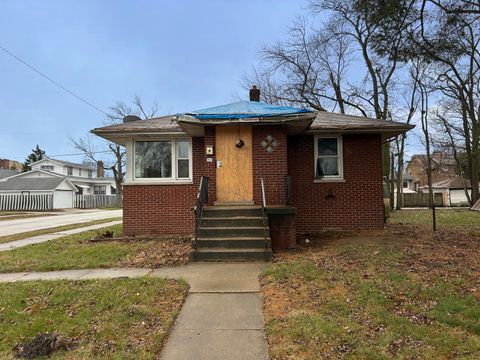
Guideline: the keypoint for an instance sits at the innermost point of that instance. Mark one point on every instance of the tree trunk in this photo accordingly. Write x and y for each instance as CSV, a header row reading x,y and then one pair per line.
x,y
392,181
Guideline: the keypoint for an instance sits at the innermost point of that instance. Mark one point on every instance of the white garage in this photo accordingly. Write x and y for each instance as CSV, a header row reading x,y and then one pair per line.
x,y
24,188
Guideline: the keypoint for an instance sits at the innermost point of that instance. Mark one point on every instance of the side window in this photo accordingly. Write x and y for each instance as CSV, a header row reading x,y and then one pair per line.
x,y
183,159
328,158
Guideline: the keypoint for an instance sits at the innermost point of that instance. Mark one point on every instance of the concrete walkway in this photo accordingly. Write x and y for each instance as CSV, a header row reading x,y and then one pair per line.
x,y
221,318
52,236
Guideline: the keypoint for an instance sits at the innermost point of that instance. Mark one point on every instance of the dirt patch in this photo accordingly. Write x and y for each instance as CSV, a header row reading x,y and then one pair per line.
x,y
166,252
43,345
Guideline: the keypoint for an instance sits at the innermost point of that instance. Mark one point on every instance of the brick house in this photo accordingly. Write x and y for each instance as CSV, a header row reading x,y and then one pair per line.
x,y
319,170
444,167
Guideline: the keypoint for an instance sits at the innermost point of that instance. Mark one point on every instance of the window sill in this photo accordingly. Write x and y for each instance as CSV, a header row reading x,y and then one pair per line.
x,y
153,182
340,180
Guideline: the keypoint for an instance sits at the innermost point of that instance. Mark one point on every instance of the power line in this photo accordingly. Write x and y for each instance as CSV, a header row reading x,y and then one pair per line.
x,y
53,81
59,155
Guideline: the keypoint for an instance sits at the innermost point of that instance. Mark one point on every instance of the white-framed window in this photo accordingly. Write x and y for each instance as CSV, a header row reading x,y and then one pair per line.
x,y
90,173
99,189
47,167
69,170
163,160
79,172
328,158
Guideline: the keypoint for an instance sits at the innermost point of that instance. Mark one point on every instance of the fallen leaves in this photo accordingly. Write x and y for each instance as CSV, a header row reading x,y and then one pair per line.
x,y
164,252
370,292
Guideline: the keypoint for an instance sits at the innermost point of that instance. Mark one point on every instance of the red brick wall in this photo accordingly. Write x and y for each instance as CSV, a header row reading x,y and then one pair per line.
x,y
272,167
166,209
282,231
358,201
209,168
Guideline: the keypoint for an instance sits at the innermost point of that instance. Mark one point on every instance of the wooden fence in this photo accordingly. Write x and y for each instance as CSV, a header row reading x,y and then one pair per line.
x,y
421,199
26,202
95,201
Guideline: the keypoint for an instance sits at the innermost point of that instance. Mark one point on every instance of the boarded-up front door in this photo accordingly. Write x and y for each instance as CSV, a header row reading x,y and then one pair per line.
x,y
234,164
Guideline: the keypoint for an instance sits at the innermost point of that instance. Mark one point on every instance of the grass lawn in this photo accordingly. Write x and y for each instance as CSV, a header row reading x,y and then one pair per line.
x,y
24,235
446,218
401,293
101,319
78,252
11,212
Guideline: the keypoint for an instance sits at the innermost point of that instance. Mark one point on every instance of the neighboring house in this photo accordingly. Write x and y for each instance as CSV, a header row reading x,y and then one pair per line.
x,y
453,190
320,170
40,182
443,168
407,183
407,187
88,179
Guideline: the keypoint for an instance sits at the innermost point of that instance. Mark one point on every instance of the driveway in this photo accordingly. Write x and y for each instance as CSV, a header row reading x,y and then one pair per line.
x,y
10,227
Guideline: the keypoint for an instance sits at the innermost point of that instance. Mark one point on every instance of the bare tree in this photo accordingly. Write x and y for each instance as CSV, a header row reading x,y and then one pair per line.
x,y
424,97
450,40
116,161
450,138
412,103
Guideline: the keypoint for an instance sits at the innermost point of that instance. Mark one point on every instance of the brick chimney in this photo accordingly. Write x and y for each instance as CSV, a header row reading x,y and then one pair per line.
x,y
100,169
254,93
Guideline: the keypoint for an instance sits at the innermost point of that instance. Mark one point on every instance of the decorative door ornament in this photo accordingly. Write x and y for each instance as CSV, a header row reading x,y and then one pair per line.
x,y
240,143
269,143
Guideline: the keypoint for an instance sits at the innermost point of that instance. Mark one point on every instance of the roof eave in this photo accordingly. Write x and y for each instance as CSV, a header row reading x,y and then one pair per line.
x,y
122,136
387,132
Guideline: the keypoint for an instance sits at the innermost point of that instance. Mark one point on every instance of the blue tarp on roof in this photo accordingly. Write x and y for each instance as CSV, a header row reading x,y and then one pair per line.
x,y
245,110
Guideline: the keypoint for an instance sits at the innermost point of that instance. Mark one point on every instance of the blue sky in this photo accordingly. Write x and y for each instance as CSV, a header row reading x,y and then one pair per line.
x,y
183,54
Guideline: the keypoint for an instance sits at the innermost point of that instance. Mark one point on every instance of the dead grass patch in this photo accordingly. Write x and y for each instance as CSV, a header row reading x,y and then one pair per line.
x,y
399,293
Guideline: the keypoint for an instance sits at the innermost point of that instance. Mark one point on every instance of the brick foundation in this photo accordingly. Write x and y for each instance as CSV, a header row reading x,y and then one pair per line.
x,y
282,231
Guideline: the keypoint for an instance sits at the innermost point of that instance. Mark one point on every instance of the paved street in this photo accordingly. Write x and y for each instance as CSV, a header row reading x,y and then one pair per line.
x,y
52,236
10,227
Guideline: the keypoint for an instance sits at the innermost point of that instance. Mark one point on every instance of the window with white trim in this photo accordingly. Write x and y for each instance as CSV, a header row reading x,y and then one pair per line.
x,y
328,157
99,189
47,167
69,170
183,159
168,159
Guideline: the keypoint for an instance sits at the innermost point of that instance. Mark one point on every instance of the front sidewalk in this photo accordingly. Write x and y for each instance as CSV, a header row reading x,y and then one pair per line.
x,y
221,318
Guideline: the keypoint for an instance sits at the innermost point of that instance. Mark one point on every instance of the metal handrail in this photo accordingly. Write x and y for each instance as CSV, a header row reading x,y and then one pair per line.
x,y
202,199
264,211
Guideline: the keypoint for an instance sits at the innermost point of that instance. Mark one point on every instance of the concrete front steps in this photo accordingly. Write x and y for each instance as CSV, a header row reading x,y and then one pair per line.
x,y
232,233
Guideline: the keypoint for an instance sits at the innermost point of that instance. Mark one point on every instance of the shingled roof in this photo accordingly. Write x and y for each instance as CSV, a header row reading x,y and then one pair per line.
x,y
31,184
323,122
159,124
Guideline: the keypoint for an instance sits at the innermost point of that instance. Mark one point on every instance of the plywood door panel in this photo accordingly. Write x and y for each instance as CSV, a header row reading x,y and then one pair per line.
x,y
234,177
